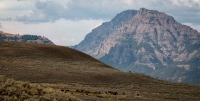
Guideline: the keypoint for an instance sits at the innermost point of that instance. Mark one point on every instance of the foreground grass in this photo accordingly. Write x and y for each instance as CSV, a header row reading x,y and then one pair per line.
x,y
12,90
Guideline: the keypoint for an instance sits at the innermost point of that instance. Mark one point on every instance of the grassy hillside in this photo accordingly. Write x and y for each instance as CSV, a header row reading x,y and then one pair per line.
x,y
12,90
76,74
48,63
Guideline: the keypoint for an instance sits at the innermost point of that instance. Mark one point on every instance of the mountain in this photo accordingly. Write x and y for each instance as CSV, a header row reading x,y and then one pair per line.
x,y
92,41
64,74
24,38
149,42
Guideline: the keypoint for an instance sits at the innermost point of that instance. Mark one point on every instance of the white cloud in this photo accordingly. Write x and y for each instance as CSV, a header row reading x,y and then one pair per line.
x,y
60,41
196,27
61,32
52,10
96,9
129,2
189,3
3,5
1,26
45,11
96,25
12,8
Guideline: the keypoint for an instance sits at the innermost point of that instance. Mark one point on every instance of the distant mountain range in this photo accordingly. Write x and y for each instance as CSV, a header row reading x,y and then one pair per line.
x,y
24,38
149,42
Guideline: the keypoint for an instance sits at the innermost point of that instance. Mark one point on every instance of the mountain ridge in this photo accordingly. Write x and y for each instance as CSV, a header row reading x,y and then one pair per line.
x,y
108,27
152,43
24,38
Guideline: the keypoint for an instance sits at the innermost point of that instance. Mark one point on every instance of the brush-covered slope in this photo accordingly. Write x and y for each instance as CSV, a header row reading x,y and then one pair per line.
x,y
148,42
77,74
12,90
24,38
40,62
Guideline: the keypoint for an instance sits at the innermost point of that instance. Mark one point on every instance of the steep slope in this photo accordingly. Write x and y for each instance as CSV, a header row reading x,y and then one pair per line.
x,y
153,43
24,38
100,33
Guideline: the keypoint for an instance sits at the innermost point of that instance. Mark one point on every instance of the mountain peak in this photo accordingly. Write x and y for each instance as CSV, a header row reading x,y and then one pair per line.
x,y
121,16
154,17
146,41
144,10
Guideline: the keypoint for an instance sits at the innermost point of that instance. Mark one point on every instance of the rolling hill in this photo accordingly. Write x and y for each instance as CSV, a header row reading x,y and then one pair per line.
x,y
77,74
37,62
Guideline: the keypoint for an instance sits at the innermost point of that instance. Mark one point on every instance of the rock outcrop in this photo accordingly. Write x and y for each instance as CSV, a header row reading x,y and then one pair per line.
x,y
24,38
149,42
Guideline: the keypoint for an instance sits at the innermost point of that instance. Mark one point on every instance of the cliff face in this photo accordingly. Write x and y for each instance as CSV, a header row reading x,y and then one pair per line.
x,y
24,38
92,41
148,42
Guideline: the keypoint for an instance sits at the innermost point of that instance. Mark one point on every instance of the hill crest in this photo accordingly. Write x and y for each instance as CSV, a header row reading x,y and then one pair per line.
x,y
48,63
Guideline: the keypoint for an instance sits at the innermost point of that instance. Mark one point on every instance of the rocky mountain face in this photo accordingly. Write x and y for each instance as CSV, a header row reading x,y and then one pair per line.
x,y
24,38
149,42
93,40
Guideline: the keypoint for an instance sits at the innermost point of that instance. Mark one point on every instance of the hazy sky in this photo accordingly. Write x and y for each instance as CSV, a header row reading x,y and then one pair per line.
x,y
66,22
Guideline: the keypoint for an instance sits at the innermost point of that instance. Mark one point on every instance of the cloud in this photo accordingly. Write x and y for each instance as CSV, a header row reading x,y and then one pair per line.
x,y
1,26
44,12
196,27
189,3
12,8
51,10
182,10
95,9
61,32
74,10
61,40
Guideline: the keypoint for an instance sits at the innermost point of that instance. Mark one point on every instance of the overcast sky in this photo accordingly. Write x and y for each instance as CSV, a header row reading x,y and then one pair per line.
x,y
66,22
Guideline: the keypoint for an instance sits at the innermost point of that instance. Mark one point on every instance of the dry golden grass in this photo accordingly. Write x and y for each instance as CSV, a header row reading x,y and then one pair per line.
x,y
12,90
75,73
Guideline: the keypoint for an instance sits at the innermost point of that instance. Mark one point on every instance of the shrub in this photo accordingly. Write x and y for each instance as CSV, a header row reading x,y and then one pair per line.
x,y
12,90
